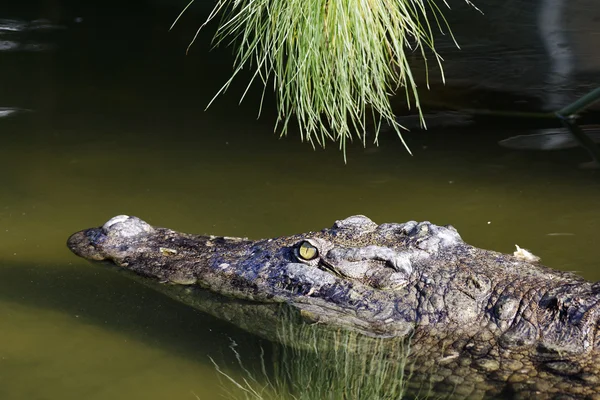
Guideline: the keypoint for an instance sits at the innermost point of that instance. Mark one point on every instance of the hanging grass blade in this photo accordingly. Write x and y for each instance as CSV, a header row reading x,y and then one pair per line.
x,y
332,62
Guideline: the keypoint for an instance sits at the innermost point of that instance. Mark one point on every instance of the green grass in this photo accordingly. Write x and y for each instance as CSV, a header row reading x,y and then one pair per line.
x,y
333,64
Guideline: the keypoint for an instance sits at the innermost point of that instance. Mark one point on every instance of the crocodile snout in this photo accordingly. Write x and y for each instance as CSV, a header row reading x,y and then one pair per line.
x,y
85,244
98,243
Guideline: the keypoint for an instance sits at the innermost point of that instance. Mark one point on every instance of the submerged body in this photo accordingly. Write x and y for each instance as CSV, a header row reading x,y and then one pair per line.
x,y
479,323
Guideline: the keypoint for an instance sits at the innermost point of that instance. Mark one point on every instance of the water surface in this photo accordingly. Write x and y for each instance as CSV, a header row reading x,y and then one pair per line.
x,y
117,127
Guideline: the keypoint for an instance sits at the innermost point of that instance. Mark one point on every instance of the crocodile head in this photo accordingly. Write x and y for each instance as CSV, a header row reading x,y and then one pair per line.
x,y
381,280
357,274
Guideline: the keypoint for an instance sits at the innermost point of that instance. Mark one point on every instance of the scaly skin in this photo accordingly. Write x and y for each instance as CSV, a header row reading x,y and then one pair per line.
x,y
480,323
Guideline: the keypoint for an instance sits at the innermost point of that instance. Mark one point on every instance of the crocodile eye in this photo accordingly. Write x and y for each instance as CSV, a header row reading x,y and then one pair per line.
x,y
307,251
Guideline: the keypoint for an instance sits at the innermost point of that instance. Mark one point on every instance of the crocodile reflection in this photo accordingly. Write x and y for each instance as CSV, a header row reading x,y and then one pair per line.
x,y
480,323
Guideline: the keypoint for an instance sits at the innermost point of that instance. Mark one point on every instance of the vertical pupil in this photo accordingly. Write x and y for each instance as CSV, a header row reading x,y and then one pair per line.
x,y
308,251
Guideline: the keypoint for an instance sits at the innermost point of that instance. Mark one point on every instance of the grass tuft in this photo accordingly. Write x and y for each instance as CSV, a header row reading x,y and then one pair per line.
x,y
333,63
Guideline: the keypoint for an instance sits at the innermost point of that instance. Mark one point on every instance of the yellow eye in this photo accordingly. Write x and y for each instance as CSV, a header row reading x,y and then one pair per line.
x,y
307,251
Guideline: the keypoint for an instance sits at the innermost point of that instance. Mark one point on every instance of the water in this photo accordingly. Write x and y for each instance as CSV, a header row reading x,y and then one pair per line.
x,y
117,127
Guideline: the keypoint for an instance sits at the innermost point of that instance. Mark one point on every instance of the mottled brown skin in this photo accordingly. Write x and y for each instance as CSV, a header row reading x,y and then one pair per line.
x,y
480,323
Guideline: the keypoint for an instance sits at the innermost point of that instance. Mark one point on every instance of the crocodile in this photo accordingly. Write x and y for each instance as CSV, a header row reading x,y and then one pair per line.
x,y
481,324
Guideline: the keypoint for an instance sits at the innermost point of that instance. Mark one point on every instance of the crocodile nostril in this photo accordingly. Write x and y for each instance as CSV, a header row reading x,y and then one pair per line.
x,y
124,226
95,236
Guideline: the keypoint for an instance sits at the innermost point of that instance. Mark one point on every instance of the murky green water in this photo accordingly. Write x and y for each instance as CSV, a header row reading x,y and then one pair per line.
x,y
117,128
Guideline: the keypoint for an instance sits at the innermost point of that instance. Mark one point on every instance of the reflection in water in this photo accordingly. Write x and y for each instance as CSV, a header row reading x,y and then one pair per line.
x,y
52,355
560,56
17,25
548,139
118,128
20,35
76,332
8,111
542,48
315,363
